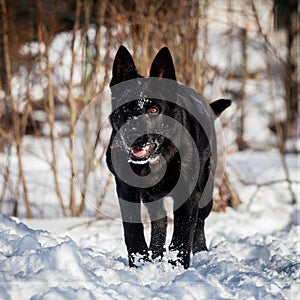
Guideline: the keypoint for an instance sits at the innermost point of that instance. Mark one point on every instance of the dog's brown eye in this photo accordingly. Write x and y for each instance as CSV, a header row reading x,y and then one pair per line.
x,y
153,110
125,110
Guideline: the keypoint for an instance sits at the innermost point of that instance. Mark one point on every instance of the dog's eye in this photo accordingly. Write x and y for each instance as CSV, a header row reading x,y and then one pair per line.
x,y
125,110
153,110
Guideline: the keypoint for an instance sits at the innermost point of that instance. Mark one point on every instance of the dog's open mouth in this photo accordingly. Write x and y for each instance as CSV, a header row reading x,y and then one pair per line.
x,y
143,154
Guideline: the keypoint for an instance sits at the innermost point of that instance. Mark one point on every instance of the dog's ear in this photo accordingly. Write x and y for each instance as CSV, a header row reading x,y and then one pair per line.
x,y
220,105
123,67
162,65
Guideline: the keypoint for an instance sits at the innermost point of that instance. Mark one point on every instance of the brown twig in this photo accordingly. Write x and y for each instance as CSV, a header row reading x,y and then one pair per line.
x,y
16,118
259,185
50,110
73,111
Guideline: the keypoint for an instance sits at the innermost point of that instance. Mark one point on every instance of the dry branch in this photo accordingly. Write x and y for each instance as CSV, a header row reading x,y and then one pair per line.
x,y
16,117
43,37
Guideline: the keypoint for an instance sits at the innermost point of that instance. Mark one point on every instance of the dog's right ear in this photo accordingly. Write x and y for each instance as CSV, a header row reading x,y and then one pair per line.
x,y
162,65
123,67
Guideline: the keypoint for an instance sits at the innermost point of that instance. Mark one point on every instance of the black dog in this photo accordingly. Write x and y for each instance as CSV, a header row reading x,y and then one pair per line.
x,y
156,150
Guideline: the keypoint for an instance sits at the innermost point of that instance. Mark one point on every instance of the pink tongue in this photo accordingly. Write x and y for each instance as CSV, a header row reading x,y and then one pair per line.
x,y
140,152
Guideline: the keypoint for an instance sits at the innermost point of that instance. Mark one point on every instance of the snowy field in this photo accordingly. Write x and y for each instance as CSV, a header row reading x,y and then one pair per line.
x,y
254,251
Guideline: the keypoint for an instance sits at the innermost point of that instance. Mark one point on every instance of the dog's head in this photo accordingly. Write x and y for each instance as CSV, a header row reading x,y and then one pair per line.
x,y
145,148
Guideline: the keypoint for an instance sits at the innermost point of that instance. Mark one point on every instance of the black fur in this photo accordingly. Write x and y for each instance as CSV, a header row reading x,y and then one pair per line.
x,y
189,219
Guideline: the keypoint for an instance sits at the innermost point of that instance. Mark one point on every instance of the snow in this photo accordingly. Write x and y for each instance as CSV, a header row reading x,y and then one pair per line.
x,y
86,259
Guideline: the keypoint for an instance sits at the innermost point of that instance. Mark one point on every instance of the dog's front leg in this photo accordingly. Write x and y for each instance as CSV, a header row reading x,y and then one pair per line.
x,y
159,222
135,242
185,218
130,205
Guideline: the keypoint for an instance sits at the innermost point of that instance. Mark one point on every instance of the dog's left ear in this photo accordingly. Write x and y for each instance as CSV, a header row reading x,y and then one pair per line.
x,y
123,67
162,65
220,105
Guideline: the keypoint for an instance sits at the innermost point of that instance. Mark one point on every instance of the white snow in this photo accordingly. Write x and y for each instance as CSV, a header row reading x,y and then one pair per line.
x,y
86,259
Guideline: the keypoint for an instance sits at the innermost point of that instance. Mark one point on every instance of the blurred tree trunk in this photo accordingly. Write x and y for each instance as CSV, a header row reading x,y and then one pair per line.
x,y
242,145
287,18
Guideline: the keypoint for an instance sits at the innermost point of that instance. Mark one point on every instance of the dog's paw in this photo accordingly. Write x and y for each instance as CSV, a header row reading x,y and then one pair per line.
x,y
137,260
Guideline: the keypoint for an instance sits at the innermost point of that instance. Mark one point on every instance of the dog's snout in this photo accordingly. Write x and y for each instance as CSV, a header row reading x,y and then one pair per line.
x,y
130,135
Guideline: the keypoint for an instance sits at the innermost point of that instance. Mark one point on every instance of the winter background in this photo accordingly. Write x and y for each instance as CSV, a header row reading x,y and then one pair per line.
x,y
254,247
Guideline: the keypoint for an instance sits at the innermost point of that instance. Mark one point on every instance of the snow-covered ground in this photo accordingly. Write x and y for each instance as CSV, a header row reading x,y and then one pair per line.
x,y
86,259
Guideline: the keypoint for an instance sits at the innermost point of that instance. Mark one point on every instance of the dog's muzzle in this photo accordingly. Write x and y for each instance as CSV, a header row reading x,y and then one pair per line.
x,y
143,153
